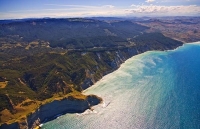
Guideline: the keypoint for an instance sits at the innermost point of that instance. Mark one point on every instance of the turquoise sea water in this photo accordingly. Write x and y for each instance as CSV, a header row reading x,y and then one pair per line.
x,y
154,90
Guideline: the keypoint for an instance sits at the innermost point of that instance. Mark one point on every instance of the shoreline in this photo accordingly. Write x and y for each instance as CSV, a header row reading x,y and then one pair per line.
x,y
197,42
192,43
136,56
53,116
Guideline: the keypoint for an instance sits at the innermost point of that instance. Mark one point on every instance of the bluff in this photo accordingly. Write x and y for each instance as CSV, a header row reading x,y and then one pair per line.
x,y
54,109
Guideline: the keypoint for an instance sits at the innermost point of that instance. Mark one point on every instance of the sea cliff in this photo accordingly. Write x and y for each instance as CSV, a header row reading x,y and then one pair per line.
x,y
51,110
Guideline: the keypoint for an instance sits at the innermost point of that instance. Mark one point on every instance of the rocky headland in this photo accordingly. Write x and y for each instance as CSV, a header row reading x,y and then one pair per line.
x,y
52,110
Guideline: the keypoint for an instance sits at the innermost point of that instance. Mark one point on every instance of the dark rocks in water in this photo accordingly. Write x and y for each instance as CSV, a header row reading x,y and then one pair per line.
x,y
93,100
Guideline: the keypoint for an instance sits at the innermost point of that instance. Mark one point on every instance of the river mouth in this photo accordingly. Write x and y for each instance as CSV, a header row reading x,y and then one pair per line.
x,y
150,90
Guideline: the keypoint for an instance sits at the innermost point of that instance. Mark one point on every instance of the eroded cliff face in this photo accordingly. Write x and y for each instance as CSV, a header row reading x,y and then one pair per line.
x,y
112,59
116,58
52,110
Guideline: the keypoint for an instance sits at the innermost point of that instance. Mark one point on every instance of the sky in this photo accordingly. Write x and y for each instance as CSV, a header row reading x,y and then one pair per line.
x,y
17,9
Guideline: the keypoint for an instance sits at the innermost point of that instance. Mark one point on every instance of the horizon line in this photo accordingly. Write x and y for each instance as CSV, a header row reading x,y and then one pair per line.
x,y
98,17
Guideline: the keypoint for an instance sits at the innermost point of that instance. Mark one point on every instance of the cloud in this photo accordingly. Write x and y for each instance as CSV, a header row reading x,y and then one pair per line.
x,y
156,10
56,10
109,6
149,1
53,10
81,6
134,6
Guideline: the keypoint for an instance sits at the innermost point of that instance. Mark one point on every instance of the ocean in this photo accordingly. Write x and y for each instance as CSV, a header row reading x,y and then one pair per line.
x,y
153,90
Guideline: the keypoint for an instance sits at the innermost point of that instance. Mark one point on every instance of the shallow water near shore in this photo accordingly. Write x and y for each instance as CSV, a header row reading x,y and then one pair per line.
x,y
152,90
